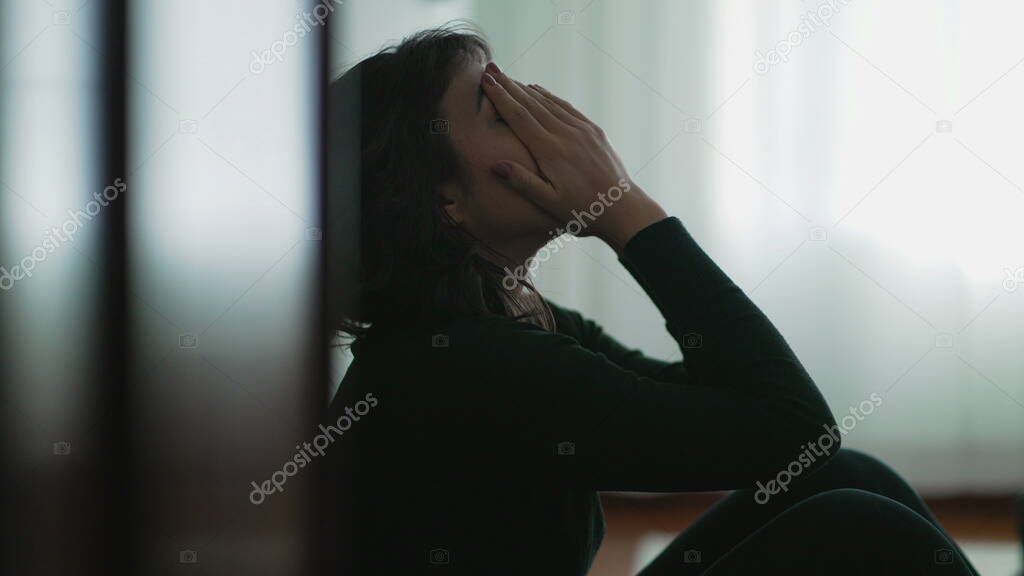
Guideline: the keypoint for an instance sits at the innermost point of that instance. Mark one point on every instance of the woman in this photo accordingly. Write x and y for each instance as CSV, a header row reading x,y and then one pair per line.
x,y
499,415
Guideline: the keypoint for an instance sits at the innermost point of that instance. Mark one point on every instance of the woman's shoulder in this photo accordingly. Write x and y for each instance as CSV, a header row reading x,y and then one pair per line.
x,y
475,348
490,333
465,361
474,336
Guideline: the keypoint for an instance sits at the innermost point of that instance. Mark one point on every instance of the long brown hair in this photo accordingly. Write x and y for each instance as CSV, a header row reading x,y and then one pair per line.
x,y
388,154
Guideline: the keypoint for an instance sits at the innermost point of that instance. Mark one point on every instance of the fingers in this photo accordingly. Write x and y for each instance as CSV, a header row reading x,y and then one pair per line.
x,y
518,91
569,108
516,114
552,107
521,179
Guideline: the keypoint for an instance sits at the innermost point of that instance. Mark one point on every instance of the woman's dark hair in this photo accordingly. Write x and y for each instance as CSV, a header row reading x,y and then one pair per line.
x,y
388,154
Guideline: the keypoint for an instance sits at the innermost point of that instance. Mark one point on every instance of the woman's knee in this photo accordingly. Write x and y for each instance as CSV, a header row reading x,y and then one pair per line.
x,y
846,501
851,468
848,528
870,519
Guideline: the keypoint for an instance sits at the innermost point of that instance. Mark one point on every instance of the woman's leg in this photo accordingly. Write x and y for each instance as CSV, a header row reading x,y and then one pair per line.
x,y
844,532
739,515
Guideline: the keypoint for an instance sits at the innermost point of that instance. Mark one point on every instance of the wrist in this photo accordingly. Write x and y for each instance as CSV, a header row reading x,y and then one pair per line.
x,y
631,217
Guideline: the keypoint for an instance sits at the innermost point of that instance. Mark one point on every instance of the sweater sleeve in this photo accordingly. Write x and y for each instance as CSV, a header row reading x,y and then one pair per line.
x,y
726,339
566,412
592,336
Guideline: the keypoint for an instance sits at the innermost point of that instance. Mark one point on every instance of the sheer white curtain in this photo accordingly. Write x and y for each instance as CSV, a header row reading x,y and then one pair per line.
x,y
861,187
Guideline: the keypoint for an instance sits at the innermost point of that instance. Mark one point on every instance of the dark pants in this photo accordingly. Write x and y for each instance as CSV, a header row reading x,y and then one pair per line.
x,y
855,515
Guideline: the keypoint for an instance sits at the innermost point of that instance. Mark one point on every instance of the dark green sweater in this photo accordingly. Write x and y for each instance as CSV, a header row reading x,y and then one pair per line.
x,y
487,446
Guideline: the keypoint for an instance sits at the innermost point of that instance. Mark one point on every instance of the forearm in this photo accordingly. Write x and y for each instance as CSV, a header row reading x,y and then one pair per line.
x,y
726,339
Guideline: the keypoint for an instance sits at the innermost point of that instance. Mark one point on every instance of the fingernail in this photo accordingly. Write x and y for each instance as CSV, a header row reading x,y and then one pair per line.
x,y
492,68
501,170
488,79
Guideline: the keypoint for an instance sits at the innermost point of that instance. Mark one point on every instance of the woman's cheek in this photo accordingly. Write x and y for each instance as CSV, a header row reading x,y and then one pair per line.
x,y
518,152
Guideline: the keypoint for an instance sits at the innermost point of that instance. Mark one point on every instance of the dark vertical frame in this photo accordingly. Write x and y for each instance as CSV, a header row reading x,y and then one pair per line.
x,y
318,390
77,519
341,206
116,454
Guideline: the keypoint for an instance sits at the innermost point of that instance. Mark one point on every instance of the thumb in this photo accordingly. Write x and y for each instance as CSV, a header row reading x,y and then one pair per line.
x,y
529,184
